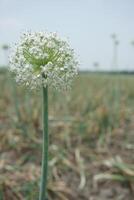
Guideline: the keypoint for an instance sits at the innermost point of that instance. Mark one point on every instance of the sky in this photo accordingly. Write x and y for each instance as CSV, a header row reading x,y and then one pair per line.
x,y
87,23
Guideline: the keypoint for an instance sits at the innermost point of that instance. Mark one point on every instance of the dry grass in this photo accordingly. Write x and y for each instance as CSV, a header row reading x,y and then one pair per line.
x,y
91,140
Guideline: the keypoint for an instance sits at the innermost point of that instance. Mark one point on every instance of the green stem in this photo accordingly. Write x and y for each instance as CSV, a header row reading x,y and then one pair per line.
x,y
44,171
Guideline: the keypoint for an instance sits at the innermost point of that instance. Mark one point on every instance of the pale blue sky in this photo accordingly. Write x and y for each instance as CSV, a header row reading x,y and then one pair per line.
x,y
88,24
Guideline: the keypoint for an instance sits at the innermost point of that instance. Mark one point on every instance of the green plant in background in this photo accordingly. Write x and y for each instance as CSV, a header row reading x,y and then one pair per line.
x,y
40,60
90,118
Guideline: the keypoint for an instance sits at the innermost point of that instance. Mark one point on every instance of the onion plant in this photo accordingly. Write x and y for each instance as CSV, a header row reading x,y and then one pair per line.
x,y
43,60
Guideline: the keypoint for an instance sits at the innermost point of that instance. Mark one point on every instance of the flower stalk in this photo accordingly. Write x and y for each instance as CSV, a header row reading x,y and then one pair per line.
x,y
44,170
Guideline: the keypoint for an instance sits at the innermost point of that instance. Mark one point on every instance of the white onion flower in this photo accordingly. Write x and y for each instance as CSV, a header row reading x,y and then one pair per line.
x,y
43,59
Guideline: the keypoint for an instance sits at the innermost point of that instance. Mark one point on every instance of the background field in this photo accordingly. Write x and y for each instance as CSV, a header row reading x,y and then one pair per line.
x,y
91,139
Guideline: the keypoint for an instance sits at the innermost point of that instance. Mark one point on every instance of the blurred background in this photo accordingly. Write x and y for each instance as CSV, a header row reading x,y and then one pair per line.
x,y
92,126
